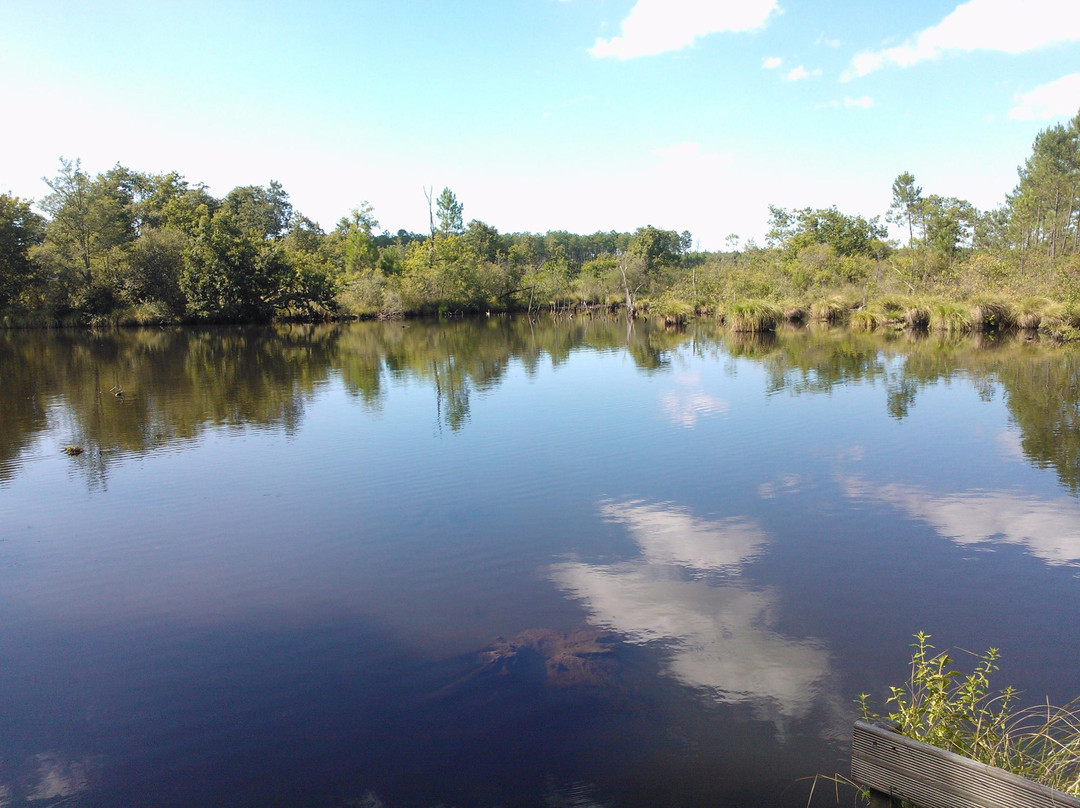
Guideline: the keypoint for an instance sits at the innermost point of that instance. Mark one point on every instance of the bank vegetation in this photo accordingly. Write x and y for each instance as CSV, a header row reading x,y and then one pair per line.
x,y
128,247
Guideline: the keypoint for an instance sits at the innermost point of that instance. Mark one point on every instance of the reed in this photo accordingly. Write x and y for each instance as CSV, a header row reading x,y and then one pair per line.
x,y
753,316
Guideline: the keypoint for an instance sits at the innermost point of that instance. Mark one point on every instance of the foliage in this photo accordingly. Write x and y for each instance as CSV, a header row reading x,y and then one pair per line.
x,y
450,213
20,230
847,235
947,708
125,240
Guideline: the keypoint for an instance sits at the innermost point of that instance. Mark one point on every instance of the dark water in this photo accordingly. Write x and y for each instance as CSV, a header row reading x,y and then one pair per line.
x,y
505,563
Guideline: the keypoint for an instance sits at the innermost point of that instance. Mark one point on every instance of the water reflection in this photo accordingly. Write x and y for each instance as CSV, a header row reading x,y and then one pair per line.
x,y
720,631
177,383
47,779
689,402
1049,530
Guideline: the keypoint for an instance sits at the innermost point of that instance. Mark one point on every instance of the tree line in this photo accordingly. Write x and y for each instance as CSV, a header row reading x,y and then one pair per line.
x,y
131,247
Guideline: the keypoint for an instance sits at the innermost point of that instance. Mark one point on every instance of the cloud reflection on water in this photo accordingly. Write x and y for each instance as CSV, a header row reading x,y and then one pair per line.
x,y
720,634
687,404
1048,529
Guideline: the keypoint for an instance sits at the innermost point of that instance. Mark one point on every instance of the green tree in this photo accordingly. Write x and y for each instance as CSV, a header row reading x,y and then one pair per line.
x,y
234,270
905,211
155,264
20,229
449,212
1045,206
847,235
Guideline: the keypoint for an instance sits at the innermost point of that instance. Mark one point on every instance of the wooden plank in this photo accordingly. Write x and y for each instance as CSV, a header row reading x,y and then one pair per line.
x,y
886,761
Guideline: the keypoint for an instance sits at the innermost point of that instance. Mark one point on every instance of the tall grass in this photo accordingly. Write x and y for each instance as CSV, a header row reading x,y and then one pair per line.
x,y
673,310
943,706
950,318
992,315
830,309
753,316
1029,312
867,319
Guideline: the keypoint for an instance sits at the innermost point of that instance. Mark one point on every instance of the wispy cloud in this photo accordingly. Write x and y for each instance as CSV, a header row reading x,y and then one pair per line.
x,y
800,73
657,26
771,62
1051,100
862,102
1007,26
1048,529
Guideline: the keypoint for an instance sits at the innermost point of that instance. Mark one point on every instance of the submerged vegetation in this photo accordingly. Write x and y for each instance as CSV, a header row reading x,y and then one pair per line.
x,y
127,247
957,711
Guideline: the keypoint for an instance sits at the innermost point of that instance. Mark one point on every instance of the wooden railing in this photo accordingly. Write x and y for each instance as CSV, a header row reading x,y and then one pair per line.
x,y
894,767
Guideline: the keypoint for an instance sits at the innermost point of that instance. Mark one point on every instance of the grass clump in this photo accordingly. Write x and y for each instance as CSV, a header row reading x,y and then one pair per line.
x,y
795,313
950,318
753,316
830,309
916,316
1030,312
866,320
943,706
674,310
1060,323
992,315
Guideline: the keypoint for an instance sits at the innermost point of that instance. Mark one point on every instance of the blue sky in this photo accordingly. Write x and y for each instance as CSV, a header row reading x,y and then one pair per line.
x,y
580,115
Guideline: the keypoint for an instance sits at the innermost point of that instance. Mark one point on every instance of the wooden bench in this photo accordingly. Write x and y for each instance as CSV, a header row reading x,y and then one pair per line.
x,y
894,767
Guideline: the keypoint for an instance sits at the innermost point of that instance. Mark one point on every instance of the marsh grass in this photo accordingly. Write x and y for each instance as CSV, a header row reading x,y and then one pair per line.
x,y
868,319
795,313
674,310
753,316
830,309
943,706
1030,311
950,318
991,315
917,316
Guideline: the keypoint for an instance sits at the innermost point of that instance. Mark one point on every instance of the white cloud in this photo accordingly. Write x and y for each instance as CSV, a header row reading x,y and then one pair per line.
x,y
1007,26
772,62
1051,100
656,26
862,102
799,73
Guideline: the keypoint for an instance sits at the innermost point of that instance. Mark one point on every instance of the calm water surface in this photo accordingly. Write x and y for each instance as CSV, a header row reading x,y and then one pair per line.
x,y
505,563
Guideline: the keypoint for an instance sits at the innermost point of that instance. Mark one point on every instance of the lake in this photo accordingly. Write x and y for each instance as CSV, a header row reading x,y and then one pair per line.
x,y
510,563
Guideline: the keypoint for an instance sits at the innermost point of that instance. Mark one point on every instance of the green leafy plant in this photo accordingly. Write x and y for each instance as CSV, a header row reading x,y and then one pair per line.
x,y
943,706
